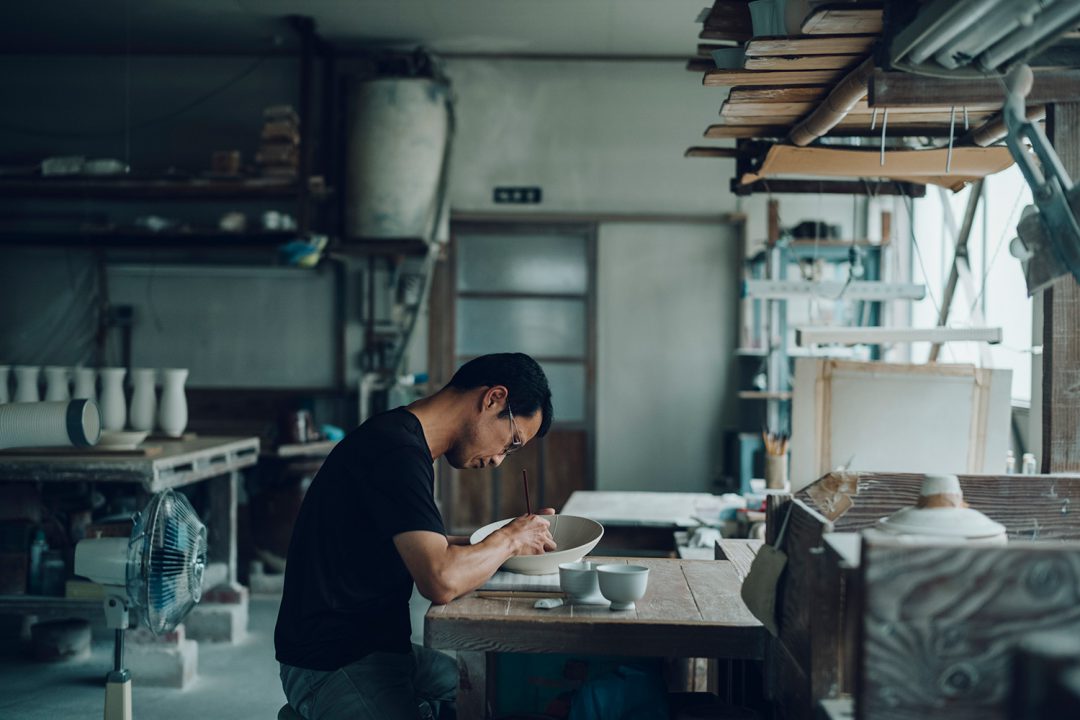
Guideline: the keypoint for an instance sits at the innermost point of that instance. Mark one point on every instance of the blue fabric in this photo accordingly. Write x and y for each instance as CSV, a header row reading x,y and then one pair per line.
x,y
627,694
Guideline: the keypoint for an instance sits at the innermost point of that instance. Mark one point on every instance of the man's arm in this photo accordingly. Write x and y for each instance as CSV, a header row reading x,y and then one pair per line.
x,y
444,570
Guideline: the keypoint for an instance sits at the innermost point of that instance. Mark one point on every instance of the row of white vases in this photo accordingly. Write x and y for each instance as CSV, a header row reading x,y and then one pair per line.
x,y
171,416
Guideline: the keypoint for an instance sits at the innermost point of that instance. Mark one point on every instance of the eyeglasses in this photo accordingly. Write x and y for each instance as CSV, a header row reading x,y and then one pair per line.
x,y
515,443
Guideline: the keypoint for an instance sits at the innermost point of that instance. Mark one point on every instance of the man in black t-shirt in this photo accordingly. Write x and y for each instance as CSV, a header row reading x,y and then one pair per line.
x,y
369,528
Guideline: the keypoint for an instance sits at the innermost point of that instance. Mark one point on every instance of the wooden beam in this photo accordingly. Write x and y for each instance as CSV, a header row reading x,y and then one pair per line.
x,y
1061,325
710,152
798,93
811,45
892,89
730,78
844,18
770,129
801,62
828,187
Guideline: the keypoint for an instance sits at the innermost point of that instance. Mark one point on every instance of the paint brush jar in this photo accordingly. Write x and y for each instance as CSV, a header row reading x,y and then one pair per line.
x,y
776,471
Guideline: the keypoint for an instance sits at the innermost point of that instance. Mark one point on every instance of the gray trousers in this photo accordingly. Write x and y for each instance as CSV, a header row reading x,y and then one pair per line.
x,y
381,686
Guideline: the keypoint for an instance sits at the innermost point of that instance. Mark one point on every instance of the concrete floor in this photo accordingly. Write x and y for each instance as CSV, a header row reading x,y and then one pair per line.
x,y
239,682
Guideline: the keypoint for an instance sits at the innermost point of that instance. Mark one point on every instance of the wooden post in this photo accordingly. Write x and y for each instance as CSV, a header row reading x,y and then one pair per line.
x,y
1061,326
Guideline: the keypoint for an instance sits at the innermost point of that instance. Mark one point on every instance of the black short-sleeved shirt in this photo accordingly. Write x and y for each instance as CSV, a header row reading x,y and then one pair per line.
x,y
346,587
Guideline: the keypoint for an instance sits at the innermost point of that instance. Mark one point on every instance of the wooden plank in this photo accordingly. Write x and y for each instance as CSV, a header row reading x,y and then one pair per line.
x,y
789,113
731,17
834,187
861,129
740,106
805,529
797,93
716,587
740,552
844,19
940,622
802,62
1031,507
677,602
897,89
787,78
710,152
811,45
1061,325
700,65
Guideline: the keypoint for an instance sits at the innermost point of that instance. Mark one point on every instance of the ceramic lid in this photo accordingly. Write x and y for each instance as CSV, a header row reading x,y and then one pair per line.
x,y
942,521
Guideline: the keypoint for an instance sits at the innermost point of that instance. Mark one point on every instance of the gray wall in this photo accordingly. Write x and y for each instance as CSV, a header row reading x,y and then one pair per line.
x,y
667,328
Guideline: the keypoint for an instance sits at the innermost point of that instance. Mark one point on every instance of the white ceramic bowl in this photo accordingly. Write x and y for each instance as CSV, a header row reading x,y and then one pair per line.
x,y
121,439
574,537
623,584
579,581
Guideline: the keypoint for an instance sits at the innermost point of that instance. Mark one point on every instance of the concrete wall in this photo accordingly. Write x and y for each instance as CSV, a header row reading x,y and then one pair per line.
x,y
667,329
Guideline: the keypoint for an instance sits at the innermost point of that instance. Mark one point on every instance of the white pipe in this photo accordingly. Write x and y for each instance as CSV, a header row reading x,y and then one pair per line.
x,y
50,424
1055,19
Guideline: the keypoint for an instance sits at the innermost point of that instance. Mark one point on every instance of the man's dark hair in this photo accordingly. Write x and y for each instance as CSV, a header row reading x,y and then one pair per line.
x,y
523,378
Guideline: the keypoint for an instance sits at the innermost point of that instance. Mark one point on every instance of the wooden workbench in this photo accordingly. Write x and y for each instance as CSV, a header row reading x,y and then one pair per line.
x,y
180,462
691,609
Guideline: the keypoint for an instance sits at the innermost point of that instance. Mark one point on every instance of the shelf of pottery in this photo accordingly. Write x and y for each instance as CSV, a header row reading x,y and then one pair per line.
x,y
124,423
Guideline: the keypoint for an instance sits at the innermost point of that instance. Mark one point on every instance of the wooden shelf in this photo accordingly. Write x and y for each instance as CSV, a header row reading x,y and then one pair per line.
x,y
132,237
154,189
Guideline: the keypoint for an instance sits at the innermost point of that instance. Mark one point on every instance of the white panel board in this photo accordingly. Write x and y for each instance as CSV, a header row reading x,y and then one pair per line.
x,y
897,418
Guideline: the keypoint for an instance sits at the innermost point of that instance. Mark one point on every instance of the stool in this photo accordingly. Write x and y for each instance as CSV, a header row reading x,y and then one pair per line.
x,y
287,713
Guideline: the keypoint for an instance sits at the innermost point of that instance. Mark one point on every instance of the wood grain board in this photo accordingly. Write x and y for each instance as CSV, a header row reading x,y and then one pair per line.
x,y
940,622
710,152
801,62
1031,507
844,18
811,45
692,608
731,78
797,93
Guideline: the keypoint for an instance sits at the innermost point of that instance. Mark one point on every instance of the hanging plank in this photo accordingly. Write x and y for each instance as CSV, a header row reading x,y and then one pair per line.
x,y
896,88
811,45
829,187
802,62
798,93
773,129
844,19
710,152
729,78
742,109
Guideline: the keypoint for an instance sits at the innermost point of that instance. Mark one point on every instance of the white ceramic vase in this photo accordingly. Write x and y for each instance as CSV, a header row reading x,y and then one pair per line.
x,y
5,371
57,384
113,406
172,416
143,408
26,383
85,383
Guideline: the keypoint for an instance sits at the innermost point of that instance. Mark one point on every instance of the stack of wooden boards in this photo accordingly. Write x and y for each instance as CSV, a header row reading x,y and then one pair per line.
x,y
279,148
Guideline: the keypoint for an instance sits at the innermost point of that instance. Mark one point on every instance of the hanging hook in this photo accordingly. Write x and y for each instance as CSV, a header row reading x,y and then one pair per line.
x,y
884,123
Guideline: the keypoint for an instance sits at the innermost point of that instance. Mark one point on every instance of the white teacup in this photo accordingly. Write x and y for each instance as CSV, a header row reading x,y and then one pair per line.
x,y
623,584
578,580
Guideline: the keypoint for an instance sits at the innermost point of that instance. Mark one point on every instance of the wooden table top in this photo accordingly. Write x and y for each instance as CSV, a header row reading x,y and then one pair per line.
x,y
181,462
691,608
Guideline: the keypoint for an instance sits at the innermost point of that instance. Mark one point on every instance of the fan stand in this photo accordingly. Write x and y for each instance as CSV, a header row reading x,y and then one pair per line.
x,y
117,682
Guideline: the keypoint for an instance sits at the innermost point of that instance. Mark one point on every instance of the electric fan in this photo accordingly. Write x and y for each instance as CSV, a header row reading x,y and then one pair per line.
x,y
156,573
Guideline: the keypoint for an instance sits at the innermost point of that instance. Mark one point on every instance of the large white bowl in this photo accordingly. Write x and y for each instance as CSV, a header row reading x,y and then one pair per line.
x,y
574,537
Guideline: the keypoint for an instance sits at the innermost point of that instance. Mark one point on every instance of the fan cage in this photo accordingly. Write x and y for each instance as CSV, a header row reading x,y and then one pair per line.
x,y
168,557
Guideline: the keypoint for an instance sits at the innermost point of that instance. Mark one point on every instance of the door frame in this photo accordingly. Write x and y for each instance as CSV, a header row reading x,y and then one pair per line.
x,y
442,326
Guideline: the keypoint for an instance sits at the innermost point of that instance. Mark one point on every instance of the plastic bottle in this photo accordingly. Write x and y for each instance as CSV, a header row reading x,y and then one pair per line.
x,y
37,548
1010,463
1029,464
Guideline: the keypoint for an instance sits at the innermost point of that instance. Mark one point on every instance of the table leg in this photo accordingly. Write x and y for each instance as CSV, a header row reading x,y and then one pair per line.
x,y
472,685
221,530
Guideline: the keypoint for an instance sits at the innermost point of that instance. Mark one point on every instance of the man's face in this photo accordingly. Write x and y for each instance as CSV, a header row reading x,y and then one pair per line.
x,y
485,440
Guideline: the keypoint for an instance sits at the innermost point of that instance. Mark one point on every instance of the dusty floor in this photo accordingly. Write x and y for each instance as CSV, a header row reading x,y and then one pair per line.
x,y
235,681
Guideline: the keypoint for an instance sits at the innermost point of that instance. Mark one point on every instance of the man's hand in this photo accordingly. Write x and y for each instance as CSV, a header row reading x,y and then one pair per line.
x,y
529,535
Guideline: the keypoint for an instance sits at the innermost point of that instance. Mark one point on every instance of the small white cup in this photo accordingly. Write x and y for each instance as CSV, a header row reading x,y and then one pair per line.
x,y
623,584
579,581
